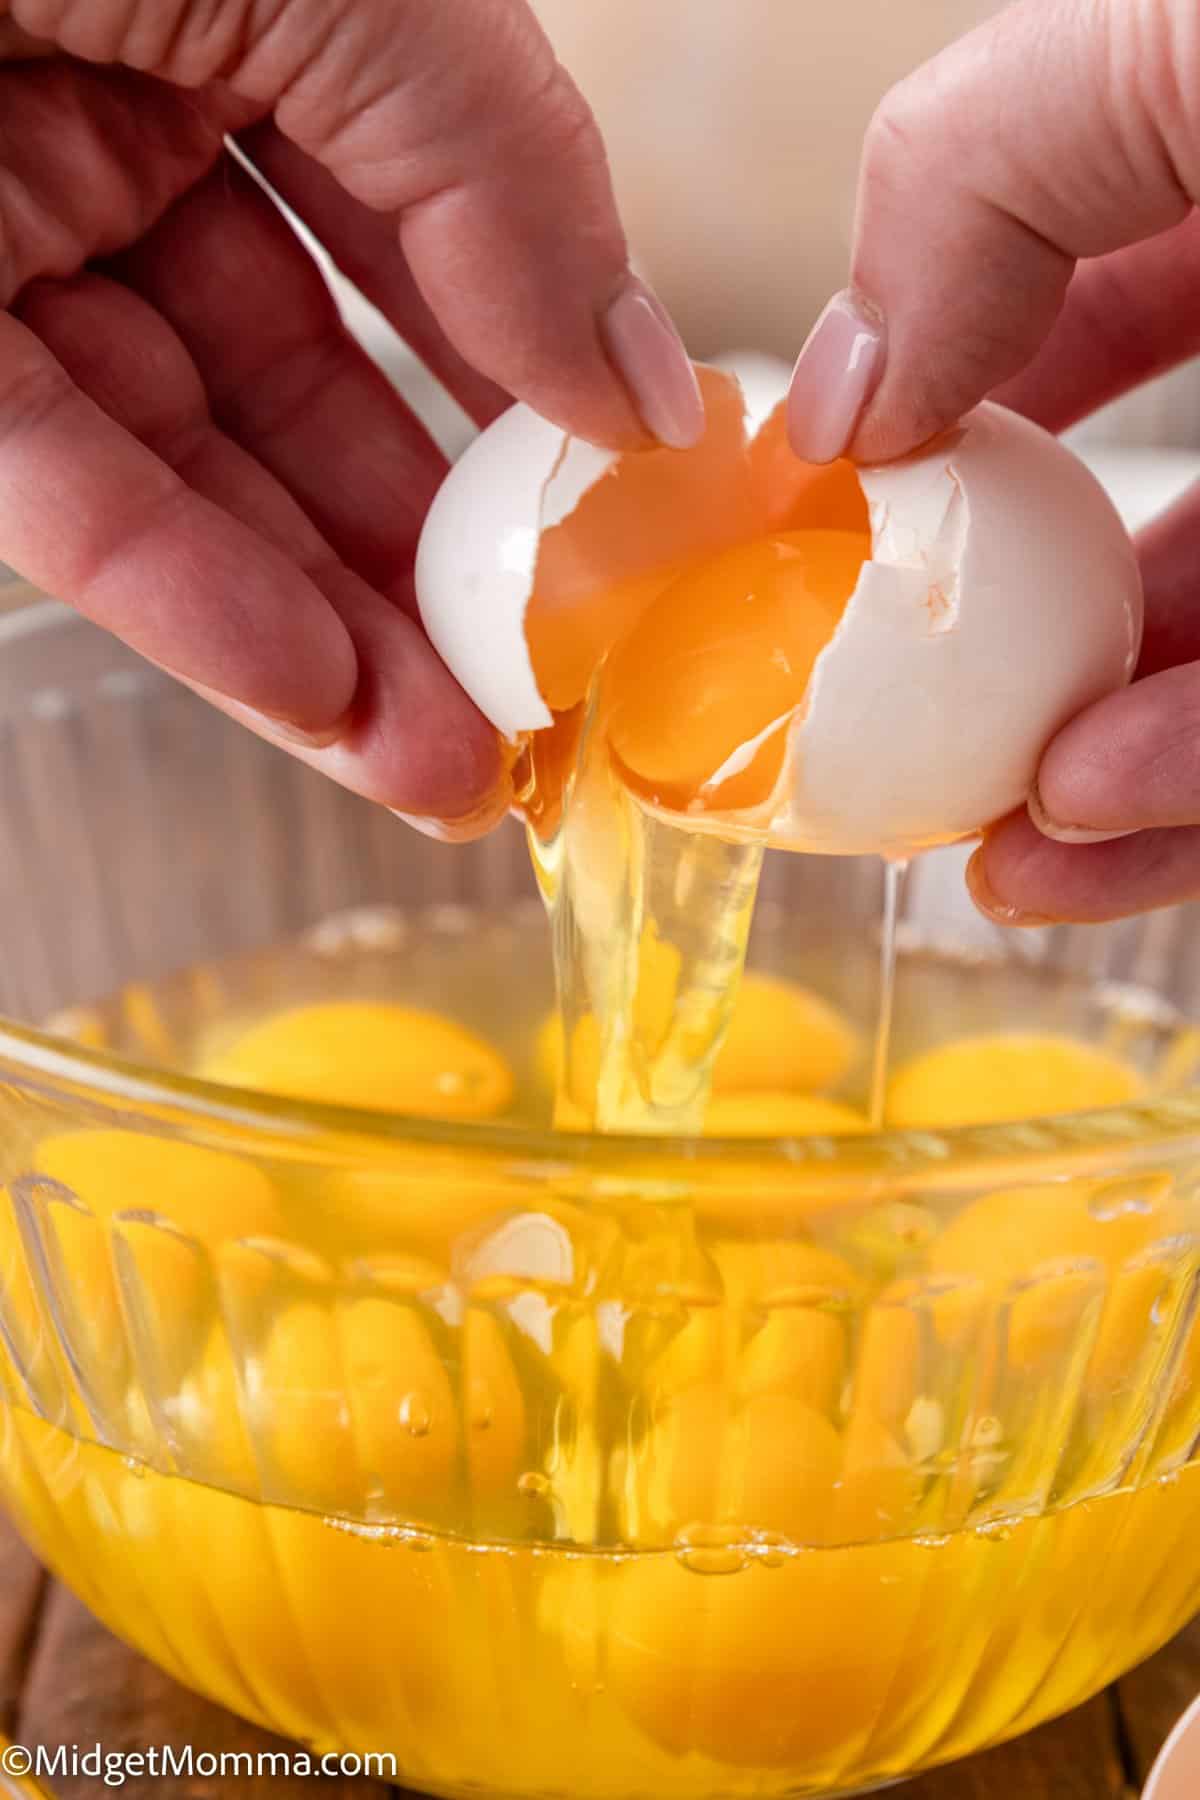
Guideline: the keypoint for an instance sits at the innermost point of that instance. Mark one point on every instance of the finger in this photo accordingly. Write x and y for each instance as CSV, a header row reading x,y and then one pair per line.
x,y
91,515
1018,877
1130,762
1169,554
415,744
1128,317
1054,132
366,248
1111,825
91,159
124,357
17,45
453,117
409,738
284,377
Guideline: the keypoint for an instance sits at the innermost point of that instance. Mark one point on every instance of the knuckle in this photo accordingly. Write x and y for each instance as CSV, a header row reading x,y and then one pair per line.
x,y
33,387
895,139
560,122
289,389
35,240
889,130
189,41
925,129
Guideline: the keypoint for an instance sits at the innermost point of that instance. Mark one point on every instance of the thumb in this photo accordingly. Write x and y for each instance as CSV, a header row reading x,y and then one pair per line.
x,y
1054,132
454,117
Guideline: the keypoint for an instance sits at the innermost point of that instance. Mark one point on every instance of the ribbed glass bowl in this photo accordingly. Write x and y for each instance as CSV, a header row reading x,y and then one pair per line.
x,y
560,1465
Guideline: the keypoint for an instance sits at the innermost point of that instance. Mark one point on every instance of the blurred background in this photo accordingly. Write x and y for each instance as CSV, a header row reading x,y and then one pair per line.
x,y
734,129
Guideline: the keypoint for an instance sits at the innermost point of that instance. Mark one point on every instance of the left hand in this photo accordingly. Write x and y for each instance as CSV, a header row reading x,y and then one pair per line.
x,y
194,452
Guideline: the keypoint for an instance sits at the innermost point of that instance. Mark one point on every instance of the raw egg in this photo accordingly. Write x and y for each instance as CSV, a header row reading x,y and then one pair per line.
x,y
370,1054
1006,1076
839,659
781,1037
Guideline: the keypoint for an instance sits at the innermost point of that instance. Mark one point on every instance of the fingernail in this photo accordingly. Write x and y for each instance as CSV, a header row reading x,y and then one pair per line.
x,y
1068,834
281,731
655,366
302,740
992,908
835,375
477,823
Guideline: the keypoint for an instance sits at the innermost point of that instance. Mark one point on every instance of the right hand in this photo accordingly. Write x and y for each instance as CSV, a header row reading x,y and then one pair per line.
x,y
1027,228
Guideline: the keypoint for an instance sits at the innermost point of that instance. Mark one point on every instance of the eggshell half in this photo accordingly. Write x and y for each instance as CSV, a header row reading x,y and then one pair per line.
x,y
1002,597
476,560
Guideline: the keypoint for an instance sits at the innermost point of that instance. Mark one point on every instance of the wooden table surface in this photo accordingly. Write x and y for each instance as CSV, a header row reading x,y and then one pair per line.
x,y
65,1680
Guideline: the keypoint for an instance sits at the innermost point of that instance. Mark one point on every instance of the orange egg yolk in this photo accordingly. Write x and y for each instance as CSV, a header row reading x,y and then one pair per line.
x,y
700,694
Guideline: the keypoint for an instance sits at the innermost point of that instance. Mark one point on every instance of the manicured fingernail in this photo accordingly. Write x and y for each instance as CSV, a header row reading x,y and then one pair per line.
x,y
998,911
477,823
655,366
1068,834
835,375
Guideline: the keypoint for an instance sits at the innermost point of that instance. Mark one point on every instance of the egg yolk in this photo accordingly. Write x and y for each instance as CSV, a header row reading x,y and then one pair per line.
x,y
1037,1241
361,1053
121,1180
986,1080
725,654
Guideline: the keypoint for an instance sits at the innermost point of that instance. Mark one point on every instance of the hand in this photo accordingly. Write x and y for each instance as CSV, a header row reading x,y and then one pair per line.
x,y
1026,228
193,451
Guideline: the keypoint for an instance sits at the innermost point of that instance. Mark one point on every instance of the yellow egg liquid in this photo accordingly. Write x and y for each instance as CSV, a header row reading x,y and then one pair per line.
x,y
688,719
605,1478
520,1669
650,924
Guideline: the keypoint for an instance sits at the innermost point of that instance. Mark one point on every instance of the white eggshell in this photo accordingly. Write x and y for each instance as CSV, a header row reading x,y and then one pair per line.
x,y
478,555
1002,597
624,517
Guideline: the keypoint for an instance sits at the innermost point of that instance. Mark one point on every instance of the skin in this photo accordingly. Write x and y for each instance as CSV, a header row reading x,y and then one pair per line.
x,y
1048,166
175,383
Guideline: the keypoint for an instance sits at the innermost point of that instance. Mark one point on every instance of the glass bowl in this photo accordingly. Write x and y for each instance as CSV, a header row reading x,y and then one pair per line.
x,y
551,1464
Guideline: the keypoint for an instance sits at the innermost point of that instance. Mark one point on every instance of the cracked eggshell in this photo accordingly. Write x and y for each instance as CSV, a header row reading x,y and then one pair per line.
x,y
1002,596
478,552
536,538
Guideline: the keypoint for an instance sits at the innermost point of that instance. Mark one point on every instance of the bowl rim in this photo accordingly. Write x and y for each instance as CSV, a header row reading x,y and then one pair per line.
x,y
1060,1147
1134,1133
